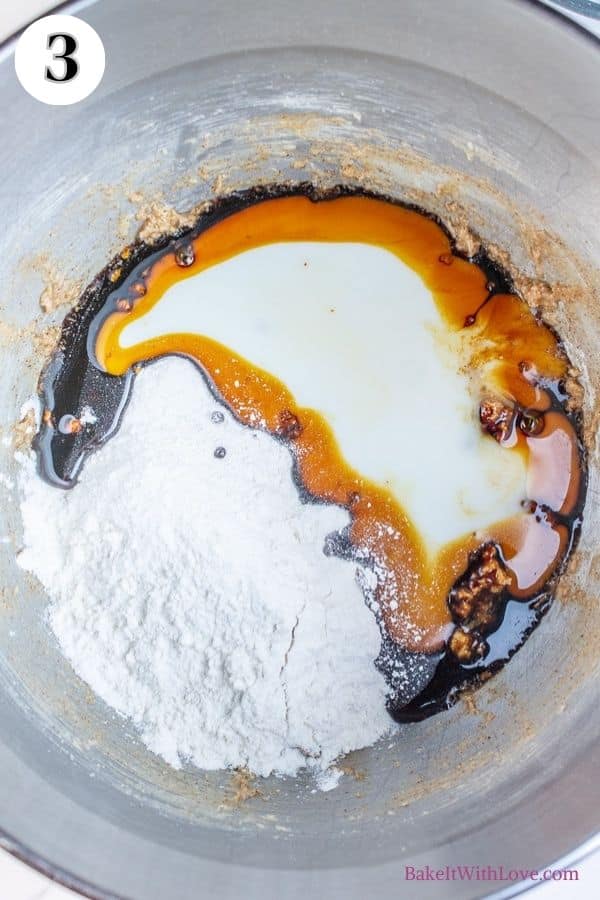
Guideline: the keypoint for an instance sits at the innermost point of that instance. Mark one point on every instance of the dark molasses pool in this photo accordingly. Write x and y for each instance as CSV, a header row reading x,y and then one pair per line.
x,y
453,608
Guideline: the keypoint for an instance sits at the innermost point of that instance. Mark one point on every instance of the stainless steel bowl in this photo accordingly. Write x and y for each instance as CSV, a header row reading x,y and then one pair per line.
x,y
488,110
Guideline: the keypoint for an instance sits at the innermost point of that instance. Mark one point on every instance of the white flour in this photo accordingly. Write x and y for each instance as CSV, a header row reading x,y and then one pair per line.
x,y
192,594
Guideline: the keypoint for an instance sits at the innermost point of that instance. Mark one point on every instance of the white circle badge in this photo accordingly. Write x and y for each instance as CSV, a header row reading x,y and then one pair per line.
x,y
59,60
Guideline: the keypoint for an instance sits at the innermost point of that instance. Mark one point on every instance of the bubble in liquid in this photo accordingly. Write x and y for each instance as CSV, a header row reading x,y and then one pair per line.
x,y
184,255
69,425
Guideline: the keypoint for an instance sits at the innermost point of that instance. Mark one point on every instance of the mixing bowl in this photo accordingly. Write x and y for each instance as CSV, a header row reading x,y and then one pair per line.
x,y
487,115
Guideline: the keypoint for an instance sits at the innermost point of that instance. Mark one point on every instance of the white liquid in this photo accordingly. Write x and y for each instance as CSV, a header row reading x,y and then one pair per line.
x,y
354,333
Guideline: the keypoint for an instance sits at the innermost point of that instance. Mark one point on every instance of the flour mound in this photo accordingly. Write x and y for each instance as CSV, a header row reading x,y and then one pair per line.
x,y
192,594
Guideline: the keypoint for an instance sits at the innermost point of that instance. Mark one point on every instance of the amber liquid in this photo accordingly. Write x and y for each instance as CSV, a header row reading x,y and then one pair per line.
x,y
513,355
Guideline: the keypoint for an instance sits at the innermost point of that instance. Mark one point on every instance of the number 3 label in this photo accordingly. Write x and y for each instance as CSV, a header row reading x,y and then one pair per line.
x,y
59,60
71,65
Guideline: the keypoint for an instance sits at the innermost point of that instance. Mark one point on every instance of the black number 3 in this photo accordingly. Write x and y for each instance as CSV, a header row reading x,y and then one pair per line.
x,y
71,67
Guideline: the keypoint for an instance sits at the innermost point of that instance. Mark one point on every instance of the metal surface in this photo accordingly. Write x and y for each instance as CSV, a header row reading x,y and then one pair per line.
x,y
492,106
582,7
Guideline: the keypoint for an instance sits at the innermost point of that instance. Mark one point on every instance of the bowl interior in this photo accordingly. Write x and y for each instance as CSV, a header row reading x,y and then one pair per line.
x,y
440,107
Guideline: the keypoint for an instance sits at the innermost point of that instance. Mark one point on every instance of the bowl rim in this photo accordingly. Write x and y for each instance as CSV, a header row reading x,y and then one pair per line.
x,y
59,874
